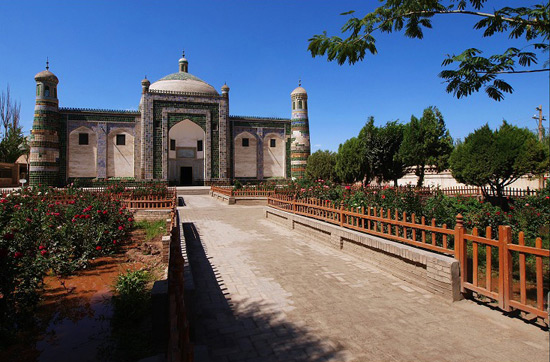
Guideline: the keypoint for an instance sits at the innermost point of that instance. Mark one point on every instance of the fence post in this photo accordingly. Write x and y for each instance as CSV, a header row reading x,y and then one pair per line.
x,y
504,268
294,204
460,250
341,213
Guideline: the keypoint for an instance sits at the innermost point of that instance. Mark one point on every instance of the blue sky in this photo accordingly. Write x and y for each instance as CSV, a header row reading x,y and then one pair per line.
x,y
101,50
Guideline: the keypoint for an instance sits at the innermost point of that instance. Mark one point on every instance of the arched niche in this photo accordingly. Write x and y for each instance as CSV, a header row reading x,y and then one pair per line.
x,y
274,155
187,151
246,160
82,153
120,153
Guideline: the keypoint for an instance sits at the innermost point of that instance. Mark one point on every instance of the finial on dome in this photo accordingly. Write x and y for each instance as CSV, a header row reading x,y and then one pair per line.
x,y
299,82
47,64
183,65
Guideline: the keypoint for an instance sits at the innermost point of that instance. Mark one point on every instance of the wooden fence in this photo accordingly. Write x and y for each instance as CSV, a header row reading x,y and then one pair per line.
x,y
247,192
456,242
463,190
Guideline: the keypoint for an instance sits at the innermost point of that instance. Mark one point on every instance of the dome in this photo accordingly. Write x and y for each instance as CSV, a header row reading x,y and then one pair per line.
x,y
298,90
46,76
183,82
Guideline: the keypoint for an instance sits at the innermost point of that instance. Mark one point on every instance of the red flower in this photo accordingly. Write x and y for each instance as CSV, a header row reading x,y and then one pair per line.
x,y
17,255
498,212
114,242
28,220
99,211
383,196
488,213
41,247
98,247
348,187
547,197
120,228
43,252
130,219
538,213
105,212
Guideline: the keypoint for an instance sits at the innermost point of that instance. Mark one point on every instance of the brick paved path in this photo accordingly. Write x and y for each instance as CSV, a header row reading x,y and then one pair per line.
x,y
264,293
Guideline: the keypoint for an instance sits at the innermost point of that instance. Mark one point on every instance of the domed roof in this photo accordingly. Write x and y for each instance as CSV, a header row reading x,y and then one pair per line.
x,y
46,76
183,82
298,90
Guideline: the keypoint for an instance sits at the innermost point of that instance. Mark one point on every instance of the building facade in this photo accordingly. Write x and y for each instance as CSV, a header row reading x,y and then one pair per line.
x,y
182,132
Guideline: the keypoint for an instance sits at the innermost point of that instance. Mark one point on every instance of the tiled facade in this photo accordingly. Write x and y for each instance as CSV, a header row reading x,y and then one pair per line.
x,y
164,104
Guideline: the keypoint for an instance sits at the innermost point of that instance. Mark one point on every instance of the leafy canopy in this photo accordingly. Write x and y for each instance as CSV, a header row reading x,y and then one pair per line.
x,y
473,70
498,158
349,161
321,165
426,141
381,146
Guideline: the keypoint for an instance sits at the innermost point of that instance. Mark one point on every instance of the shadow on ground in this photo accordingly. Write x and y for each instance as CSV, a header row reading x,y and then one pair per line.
x,y
244,330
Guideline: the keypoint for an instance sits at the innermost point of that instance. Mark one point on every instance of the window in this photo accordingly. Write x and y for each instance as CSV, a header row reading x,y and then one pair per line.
x,y
120,139
82,138
199,145
245,142
300,105
305,104
215,127
293,105
172,145
47,91
38,89
54,92
272,142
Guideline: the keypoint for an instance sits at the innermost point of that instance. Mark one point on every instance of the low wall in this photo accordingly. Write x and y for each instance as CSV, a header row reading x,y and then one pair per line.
x,y
436,273
241,200
151,215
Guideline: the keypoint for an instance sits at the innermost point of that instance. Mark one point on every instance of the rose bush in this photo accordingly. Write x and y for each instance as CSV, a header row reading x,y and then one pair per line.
x,y
46,230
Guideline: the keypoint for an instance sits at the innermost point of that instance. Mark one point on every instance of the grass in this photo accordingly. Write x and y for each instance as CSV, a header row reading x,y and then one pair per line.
x,y
152,229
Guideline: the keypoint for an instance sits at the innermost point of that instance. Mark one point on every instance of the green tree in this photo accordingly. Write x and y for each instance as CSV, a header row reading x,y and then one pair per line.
x,y
498,158
426,141
321,165
349,161
9,146
391,165
381,148
12,136
473,70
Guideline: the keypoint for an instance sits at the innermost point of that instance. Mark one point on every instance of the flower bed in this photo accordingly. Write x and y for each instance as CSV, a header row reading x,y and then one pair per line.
x,y
43,231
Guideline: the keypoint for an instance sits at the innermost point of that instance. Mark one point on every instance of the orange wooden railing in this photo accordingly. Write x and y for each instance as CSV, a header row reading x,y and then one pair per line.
x,y
456,242
246,192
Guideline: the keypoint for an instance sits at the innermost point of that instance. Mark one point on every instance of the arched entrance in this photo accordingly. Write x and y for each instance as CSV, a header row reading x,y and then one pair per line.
x,y
186,154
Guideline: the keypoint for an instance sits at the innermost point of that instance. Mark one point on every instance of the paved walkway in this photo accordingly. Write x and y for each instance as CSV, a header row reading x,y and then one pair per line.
x,y
263,293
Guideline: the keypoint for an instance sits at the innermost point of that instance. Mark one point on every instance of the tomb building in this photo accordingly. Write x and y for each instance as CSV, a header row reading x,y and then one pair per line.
x,y
182,133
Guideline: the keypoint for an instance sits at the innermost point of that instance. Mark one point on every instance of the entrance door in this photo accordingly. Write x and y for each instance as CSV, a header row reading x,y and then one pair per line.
x,y
186,176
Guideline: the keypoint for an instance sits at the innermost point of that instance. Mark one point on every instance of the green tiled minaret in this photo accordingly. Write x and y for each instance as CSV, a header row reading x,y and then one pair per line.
x,y
44,156
300,145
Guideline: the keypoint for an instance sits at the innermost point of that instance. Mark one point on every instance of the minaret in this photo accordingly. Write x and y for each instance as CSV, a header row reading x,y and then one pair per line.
x,y
44,155
299,146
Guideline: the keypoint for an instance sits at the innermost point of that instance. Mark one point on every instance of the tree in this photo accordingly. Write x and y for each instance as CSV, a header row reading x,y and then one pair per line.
x,y
498,158
349,161
474,71
426,141
12,136
321,165
391,165
381,148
